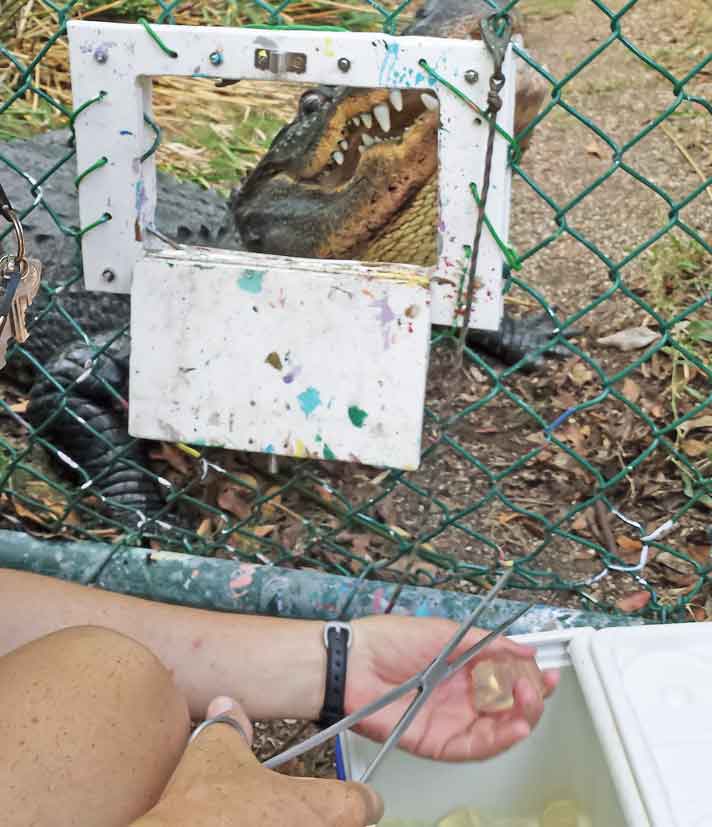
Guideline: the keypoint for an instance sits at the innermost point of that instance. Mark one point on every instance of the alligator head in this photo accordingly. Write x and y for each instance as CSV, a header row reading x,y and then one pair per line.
x,y
354,175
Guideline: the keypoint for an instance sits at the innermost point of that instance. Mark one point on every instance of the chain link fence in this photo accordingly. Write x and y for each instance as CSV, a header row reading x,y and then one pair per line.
x,y
593,472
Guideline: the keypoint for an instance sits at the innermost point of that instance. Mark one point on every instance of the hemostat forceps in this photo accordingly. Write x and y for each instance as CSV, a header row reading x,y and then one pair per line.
x,y
424,682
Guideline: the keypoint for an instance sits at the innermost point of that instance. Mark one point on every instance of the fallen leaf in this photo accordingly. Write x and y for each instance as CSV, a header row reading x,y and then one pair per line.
x,y
631,338
633,602
171,454
20,407
694,424
695,447
594,149
579,374
631,390
262,530
628,545
232,499
205,529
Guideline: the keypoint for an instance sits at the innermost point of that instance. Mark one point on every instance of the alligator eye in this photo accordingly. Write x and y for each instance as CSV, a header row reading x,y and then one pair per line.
x,y
311,102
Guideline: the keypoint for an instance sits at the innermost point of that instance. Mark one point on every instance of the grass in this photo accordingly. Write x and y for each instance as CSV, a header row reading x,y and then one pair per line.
x,y
219,155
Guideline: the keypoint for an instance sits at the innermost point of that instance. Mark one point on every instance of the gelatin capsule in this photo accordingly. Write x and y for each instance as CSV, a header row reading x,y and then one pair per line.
x,y
564,814
493,682
462,817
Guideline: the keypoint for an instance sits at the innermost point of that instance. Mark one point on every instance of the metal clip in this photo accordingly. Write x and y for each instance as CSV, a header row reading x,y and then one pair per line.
x,y
279,62
496,33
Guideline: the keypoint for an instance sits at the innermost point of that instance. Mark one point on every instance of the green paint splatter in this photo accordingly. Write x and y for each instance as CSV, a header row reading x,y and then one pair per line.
x,y
274,360
328,453
309,400
357,416
251,281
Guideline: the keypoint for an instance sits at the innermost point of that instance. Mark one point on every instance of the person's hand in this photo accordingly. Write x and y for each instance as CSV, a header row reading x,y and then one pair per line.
x,y
388,650
220,783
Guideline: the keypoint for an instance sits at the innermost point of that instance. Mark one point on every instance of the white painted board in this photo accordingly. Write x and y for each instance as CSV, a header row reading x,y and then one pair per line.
x,y
276,355
125,187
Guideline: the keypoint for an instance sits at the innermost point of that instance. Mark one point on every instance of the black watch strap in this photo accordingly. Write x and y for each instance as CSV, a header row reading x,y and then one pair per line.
x,y
337,639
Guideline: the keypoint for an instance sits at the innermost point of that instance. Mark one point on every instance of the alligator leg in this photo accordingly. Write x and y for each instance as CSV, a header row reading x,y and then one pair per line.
x,y
77,404
517,338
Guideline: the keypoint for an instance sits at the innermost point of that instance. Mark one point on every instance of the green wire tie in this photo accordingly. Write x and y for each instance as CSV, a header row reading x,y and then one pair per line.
x,y
102,162
147,26
78,111
509,253
516,150
104,218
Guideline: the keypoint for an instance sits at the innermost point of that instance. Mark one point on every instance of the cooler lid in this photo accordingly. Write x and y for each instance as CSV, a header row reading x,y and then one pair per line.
x,y
658,685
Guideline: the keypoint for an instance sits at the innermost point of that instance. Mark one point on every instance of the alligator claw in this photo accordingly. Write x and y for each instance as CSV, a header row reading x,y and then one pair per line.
x,y
517,338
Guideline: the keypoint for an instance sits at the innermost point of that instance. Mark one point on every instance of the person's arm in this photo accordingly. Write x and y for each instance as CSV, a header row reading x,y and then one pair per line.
x,y
277,668
274,668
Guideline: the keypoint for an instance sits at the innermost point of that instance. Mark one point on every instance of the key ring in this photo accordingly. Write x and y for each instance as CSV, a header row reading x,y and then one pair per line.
x,y
19,260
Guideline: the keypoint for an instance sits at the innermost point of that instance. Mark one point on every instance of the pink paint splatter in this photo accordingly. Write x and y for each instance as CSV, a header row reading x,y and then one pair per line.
x,y
243,581
379,602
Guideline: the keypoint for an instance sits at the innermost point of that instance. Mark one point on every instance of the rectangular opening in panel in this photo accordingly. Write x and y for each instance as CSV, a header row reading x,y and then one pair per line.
x,y
315,172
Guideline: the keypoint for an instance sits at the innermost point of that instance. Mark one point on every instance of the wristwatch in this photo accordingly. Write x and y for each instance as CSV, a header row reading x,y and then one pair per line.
x,y
337,640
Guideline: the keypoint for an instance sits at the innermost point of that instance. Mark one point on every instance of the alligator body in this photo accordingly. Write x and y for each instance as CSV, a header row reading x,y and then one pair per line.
x,y
82,411
315,193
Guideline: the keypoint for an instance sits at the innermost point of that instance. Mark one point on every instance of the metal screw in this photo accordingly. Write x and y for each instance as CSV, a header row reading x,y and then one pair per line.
x,y
108,275
472,76
101,54
344,64
216,58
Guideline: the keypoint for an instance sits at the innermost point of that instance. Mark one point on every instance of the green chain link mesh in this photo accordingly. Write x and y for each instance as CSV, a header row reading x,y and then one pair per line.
x,y
599,489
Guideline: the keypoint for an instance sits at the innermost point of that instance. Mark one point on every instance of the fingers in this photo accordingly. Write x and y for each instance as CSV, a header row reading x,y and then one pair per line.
x,y
223,705
347,804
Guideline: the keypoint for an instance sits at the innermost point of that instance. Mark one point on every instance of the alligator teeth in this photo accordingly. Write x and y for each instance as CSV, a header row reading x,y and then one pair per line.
x,y
362,149
344,145
338,157
382,114
429,101
396,99
356,122
367,139
378,140
367,119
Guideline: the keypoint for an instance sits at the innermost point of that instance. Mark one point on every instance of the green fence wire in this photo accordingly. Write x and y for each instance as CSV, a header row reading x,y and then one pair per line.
x,y
593,474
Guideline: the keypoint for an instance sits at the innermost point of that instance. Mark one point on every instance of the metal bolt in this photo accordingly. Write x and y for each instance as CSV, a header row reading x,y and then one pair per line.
x,y
216,58
101,54
108,275
344,64
472,76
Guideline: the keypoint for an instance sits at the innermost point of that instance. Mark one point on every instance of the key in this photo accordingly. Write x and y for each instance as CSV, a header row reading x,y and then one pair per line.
x,y
12,325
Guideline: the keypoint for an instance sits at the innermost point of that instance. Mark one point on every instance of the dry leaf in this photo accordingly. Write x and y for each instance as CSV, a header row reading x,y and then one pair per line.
x,y
205,529
594,149
631,390
20,407
232,499
262,530
628,545
580,374
695,447
171,454
633,602
694,424
632,338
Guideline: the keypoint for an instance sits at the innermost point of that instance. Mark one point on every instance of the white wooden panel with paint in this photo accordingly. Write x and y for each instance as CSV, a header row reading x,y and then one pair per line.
x,y
270,354
126,187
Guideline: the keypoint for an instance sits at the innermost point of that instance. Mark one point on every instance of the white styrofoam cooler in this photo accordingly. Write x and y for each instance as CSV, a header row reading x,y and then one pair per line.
x,y
628,733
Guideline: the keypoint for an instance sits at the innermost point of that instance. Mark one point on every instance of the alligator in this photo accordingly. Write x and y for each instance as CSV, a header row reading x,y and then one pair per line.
x,y
303,198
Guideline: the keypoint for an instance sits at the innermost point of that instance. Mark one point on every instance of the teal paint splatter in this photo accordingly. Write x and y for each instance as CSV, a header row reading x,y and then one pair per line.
x,y
269,449
251,281
388,67
357,416
328,453
309,400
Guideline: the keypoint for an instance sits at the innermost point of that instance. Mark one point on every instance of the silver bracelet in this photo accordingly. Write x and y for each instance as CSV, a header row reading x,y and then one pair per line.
x,y
218,719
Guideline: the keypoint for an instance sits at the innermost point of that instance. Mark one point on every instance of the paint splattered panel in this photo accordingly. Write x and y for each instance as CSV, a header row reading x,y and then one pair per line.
x,y
280,355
